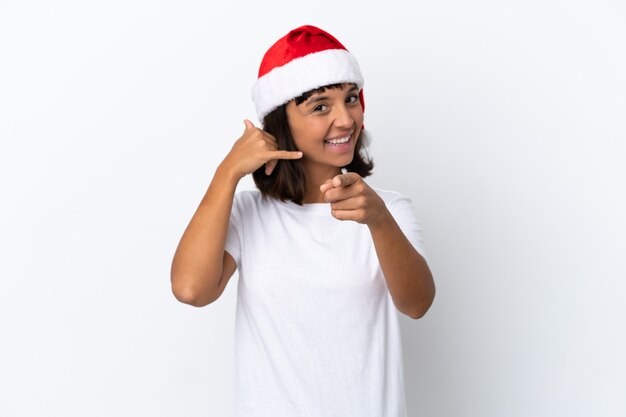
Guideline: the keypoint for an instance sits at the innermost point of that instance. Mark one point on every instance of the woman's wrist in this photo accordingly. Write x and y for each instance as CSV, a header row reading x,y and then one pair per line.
x,y
226,172
381,221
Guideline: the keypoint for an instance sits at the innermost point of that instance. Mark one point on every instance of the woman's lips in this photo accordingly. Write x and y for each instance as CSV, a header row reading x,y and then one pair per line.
x,y
339,147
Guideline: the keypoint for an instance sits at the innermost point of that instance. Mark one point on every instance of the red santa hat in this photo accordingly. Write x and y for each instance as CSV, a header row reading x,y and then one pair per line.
x,y
305,59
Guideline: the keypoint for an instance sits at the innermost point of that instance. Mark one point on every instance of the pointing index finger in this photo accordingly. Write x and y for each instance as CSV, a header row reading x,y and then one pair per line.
x,y
285,154
346,179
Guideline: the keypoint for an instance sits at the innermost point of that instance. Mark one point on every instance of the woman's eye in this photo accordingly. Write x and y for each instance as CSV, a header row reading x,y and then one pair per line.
x,y
321,107
352,99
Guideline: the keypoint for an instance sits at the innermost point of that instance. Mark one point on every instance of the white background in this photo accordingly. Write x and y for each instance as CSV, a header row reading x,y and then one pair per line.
x,y
503,121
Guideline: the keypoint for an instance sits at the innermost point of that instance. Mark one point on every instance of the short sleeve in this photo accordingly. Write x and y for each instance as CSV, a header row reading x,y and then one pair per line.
x,y
403,212
233,241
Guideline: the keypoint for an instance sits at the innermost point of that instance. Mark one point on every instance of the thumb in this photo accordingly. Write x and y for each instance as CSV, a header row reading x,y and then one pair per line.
x,y
248,124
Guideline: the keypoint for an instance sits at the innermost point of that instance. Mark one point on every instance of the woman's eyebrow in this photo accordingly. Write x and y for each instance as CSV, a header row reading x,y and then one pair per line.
x,y
315,99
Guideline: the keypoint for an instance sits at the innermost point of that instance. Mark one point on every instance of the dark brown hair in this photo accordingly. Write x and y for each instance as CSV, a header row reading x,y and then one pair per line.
x,y
288,181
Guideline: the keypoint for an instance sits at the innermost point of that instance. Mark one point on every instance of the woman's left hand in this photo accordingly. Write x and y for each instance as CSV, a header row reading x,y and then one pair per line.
x,y
351,198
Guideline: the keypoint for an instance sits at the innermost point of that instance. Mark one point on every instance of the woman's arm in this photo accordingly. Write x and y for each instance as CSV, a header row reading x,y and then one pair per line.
x,y
408,277
406,272
200,264
201,268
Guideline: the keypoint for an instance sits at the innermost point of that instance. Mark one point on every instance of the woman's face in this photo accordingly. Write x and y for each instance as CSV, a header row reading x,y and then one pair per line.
x,y
326,126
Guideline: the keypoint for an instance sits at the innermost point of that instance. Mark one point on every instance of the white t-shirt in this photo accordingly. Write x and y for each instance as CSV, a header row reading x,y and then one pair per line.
x,y
316,330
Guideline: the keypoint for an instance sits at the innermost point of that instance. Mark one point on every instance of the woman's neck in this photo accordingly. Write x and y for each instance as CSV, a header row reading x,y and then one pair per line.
x,y
315,177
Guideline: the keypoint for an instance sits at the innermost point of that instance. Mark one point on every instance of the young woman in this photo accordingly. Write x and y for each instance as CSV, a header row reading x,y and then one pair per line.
x,y
325,261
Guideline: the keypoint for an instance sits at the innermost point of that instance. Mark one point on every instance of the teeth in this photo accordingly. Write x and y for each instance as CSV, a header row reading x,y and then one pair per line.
x,y
338,141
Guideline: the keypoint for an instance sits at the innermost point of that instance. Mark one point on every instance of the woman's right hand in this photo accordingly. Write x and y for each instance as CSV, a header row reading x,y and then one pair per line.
x,y
255,148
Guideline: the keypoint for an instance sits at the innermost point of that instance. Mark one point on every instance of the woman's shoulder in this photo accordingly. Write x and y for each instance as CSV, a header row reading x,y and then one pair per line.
x,y
247,198
248,194
253,200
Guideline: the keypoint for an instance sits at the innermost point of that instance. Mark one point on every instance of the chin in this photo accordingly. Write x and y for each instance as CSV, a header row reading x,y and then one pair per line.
x,y
337,163
347,161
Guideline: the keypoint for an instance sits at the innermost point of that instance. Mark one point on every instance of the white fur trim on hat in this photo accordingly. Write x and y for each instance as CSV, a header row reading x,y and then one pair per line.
x,y
303,74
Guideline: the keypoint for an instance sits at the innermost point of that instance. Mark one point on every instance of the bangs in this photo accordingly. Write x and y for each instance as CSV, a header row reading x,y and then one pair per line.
x,y
305,96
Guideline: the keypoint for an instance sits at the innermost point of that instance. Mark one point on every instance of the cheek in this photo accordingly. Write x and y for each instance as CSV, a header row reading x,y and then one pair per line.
x,y
309,134
357,115
298,135
296,141
300,139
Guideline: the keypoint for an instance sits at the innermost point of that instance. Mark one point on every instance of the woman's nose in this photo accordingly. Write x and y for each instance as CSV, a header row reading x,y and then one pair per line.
x,y
343,118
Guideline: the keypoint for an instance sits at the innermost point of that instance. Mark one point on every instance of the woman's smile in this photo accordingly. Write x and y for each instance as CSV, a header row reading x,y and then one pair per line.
x,y
341,144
